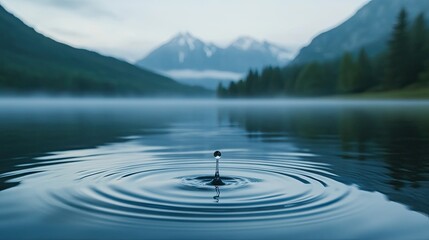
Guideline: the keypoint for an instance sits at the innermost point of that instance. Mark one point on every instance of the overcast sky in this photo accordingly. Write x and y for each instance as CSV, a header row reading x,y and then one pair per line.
x,y
129,29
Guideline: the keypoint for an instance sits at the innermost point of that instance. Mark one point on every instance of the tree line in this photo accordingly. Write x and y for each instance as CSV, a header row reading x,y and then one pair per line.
x,y
405,62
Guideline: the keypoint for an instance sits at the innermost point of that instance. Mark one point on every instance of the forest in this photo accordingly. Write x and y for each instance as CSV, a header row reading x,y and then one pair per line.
x,y
404,63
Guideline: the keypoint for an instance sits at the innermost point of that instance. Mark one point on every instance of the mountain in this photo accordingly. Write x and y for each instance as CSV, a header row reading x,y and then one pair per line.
x,y
185,51
31,62
182,52
201,61
245,53
369,28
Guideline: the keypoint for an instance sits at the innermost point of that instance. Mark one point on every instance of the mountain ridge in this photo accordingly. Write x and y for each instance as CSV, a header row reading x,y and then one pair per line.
x,y
184,51
368,28
32,62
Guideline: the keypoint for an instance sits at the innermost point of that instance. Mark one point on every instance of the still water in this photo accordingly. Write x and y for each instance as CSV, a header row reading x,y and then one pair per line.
x,y
127,169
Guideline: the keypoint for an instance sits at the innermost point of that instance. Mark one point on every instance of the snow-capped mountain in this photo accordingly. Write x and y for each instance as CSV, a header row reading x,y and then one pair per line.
x,y
283,55
185,54
183,51
246,53
247,43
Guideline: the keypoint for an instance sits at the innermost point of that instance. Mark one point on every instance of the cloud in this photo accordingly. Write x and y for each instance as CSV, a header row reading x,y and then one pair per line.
x,y
82,7
67,33
64,3
195,74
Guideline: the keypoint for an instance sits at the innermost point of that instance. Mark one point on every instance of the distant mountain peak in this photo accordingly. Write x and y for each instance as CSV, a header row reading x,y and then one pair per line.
x,y
282,54
245,43
185,39
184,34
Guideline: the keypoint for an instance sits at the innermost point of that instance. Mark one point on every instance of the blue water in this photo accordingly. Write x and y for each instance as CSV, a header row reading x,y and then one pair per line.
x,y
127,169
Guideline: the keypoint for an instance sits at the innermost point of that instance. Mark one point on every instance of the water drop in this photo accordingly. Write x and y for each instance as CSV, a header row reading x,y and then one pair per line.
x,y
217,181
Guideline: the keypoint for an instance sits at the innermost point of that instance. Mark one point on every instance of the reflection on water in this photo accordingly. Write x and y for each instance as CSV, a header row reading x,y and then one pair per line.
x,y
379,146
217,196
302,169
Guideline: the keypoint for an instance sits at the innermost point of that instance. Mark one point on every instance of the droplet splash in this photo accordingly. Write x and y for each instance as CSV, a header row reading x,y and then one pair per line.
x,y
217,181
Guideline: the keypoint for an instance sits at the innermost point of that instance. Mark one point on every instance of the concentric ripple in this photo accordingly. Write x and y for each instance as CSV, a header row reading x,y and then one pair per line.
x,y
138,182
205,182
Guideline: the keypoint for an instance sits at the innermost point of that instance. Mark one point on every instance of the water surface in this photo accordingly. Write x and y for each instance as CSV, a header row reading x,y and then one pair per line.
x,y
82,169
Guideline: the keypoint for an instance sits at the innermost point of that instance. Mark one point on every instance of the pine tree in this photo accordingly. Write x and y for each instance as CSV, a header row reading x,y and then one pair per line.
x,y
424,75
221,91
364,75
311,80
278,82
241,89
398,66
250,84
419,53
232,90
290,75
347,81
266,79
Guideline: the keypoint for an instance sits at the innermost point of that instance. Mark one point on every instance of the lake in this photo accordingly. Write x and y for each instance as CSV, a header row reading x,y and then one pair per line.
x,y
292,169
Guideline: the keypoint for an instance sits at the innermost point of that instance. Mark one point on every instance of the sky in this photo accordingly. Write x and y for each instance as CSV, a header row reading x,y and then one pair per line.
x,y
130,29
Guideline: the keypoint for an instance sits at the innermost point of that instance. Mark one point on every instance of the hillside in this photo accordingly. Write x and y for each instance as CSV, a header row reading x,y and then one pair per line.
x,y
31,62
369,28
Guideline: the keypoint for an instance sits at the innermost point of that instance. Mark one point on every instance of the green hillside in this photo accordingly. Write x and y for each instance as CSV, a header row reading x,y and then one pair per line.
x,y
369,28
31,62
